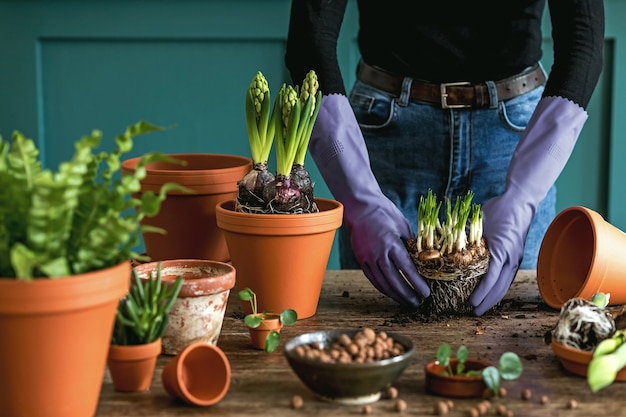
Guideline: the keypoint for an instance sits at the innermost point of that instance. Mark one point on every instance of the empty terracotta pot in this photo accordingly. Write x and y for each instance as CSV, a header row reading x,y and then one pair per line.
x,y
281,257
199,375
581,254
198,312
189,219
132,366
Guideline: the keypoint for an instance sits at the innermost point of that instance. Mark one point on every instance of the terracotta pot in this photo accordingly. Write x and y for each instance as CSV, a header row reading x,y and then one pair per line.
x,y
200,374
55,337
189,219
577,361
198,312
456,386
132,366
259,334
281,257
581,254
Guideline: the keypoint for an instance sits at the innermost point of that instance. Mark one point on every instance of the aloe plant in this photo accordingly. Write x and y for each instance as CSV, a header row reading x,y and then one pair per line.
x,y
143,314
78,218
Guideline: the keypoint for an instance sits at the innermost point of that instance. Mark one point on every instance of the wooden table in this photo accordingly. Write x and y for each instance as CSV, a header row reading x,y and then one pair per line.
x,y
264,383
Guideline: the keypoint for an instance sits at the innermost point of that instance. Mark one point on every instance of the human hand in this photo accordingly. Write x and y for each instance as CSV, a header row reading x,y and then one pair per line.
x,y
377,228
539,158
378,237
506,223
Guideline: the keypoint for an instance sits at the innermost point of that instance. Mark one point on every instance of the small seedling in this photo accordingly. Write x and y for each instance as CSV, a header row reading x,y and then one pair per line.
x,y
287,317
509,367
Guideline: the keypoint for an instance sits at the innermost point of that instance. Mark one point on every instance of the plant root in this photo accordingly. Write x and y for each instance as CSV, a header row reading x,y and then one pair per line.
x,y
582,325
451,283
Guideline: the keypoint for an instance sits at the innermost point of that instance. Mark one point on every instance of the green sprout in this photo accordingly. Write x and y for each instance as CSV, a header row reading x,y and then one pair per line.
x,y
509,366
287,317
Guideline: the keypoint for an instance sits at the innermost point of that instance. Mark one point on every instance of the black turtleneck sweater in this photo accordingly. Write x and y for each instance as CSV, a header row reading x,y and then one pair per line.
x,y
453,40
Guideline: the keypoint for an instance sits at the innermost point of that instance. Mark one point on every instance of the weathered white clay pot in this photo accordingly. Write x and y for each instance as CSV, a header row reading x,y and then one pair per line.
x,y
198,312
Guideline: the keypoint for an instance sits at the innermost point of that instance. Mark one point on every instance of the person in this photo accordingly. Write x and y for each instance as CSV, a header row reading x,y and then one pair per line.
x,y
450,96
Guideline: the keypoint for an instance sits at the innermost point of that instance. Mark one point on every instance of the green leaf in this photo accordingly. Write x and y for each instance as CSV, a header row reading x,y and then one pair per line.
x,y
272,341
288,317
510,366
491,376
253,320
462,354
444,352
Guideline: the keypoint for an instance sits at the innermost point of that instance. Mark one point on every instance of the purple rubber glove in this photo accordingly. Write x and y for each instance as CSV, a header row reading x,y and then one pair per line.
x,y
377,227
541,155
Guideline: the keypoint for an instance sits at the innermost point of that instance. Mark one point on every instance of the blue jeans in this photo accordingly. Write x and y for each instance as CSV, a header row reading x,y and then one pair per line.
x,y
416,146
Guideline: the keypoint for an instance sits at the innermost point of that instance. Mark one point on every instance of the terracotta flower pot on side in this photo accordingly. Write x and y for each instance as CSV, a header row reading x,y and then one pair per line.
x,y
581,254
199,375
132,366
55,337
198,312
189,219
281,257
455,386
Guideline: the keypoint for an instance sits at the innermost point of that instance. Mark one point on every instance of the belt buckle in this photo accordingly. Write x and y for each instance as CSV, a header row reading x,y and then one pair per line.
x,y
444,96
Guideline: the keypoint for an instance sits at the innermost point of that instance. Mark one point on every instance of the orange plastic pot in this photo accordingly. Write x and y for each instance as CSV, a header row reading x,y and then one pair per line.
x,y
132,366
281,257
55,337
456,386
198,312
581,254
199,375
189,219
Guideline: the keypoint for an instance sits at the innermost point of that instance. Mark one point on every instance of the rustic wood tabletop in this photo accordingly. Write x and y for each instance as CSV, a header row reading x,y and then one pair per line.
x,y
264,384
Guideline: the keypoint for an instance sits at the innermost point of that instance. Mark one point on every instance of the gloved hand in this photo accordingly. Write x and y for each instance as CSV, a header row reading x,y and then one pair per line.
x,y
539,158
377,227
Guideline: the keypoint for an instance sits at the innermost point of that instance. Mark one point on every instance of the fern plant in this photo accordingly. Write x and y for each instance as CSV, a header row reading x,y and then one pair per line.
x,y
78,218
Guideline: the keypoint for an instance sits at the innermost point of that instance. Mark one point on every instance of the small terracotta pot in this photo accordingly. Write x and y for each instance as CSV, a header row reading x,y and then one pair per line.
x,y
581,254
456,386
200,374
189,219
281,257
132,366
198,312
260,333
577,361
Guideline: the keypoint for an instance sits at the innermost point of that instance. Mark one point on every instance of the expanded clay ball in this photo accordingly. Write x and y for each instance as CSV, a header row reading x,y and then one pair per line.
x,y
365,346
400,406
483,407
296,402
392,393
367,409
526,394
441,408
571,404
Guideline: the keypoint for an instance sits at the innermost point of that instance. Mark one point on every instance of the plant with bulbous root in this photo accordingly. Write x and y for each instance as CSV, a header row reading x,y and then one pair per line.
x,y
288,126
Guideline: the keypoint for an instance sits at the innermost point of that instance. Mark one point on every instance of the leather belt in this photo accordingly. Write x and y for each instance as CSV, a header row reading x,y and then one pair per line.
x,y
456,94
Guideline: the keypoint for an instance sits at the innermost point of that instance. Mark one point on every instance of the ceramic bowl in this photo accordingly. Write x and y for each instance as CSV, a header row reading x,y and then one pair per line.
x,y
455,386
577,361
346,383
